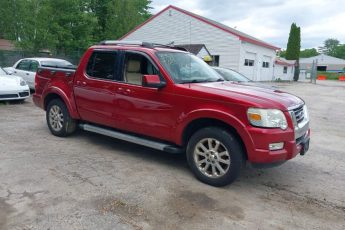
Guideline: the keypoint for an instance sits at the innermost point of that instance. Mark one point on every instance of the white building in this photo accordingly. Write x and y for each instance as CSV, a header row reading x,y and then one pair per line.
x,y
324,63
283,69
228,47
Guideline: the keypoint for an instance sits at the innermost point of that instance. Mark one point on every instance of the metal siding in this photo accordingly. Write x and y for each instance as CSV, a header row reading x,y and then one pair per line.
x,y
183,29
278,72
260,52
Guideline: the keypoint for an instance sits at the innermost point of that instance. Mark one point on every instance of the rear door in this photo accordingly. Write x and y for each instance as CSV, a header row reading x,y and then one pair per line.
x,y
95,88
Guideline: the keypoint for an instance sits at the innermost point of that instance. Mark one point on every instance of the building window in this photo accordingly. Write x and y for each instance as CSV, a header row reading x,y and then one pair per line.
x,y
248,62
285,69
265,64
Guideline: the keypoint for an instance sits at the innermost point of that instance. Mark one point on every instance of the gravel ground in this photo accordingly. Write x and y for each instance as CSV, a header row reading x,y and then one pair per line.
x,y
89,181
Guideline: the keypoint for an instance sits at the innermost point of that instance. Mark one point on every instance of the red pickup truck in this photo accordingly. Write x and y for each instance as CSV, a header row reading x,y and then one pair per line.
x,y
168,99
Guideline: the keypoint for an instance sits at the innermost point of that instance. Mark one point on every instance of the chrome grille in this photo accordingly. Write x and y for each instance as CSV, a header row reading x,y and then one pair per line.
x,y
299,114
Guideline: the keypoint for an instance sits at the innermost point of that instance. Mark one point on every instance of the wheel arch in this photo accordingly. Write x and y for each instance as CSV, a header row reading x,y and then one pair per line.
x,y
200,123
55,93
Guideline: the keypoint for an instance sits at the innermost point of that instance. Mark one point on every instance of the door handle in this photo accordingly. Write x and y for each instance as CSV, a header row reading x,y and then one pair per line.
x,y
81,83
27,73
120,90
127,91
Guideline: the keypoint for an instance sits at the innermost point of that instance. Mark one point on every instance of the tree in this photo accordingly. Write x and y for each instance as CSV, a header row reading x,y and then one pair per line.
x,y
339,51
66,26
308,53
293,47
330,45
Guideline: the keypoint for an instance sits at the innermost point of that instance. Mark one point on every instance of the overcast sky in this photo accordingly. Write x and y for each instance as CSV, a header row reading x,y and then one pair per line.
x,y
270,20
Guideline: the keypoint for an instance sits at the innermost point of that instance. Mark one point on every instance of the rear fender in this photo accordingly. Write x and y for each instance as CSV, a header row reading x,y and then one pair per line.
x,y
67,97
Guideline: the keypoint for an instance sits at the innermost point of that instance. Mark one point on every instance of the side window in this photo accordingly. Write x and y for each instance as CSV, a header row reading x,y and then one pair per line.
x,y
33,66
102,65
137,65
23,65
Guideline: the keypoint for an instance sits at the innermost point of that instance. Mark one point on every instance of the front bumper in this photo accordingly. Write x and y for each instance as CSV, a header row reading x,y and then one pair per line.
x,y
292,146
19,94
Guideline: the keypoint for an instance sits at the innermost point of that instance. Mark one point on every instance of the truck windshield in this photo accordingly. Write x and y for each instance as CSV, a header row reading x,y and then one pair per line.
x,y
187,68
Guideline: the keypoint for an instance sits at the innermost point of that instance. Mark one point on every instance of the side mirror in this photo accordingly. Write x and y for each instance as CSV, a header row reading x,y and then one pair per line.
x,y
153,81
10,72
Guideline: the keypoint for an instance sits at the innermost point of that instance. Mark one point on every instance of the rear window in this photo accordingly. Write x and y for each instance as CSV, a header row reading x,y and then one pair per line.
x,y
102,65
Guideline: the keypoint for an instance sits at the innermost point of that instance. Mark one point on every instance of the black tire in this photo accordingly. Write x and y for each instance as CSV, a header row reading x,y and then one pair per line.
x,y
228,156
63,127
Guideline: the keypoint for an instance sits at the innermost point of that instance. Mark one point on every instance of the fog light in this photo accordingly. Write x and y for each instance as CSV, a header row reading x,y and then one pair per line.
x,y
276,146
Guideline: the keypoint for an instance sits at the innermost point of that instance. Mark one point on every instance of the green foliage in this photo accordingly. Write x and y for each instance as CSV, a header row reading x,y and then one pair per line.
x,y
294,43
293,47
64,26
282,53
332,47
330,75
308,53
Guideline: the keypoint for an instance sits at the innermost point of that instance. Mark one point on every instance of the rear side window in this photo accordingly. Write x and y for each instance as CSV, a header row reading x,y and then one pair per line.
x,y
102,65
24,65
33,66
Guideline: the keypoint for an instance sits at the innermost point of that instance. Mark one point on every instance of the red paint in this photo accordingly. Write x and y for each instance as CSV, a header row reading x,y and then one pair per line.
x,y
151,79
281,62
321,77
198,17
341,78
166,112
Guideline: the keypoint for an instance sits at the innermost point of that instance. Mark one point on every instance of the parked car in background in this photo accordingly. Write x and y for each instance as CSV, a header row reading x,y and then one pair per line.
x,y
234,76
12,87
27,67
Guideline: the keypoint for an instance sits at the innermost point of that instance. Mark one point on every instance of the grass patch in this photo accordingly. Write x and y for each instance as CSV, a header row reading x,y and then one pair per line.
x,y
330,75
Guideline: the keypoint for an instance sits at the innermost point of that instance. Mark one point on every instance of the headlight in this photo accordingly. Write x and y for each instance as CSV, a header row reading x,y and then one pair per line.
x,y
22,82
267,118
306,114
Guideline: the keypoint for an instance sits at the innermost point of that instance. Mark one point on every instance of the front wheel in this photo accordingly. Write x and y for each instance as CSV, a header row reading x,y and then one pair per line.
x,y
215,156
58,119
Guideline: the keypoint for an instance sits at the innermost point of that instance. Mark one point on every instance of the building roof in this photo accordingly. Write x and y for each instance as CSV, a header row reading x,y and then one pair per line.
x,y
242,36
193,48
6,45
283,61
323,59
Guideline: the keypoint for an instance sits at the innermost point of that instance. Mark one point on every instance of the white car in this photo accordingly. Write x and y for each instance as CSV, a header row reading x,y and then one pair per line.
x,y
12,87
27,67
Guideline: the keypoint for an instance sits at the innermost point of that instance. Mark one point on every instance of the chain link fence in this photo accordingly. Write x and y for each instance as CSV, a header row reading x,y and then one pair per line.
x,y
8,58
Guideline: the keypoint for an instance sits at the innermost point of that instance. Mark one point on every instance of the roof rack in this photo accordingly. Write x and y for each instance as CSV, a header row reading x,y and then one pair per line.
x,y
139,43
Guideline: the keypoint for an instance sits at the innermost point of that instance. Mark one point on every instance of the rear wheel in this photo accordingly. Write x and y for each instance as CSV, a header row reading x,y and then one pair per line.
x,y
59,121
215,156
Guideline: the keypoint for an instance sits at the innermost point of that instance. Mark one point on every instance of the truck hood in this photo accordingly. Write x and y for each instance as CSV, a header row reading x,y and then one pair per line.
x,y
264,97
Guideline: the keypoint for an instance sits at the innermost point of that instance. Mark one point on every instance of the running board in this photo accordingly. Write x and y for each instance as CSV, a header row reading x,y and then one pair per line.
x,y
131,138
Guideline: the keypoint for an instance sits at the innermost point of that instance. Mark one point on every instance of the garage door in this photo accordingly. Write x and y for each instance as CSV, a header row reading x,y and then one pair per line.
x,y
249,65
266,73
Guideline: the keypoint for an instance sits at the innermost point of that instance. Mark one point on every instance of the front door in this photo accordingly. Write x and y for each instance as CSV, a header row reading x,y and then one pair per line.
x,y
144,110
95,88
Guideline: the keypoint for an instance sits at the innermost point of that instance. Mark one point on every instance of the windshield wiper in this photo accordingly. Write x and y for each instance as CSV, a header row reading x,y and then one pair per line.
x,y
203,80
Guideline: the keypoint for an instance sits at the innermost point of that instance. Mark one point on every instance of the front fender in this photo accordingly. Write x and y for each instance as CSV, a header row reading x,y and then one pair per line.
x,y
227,118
